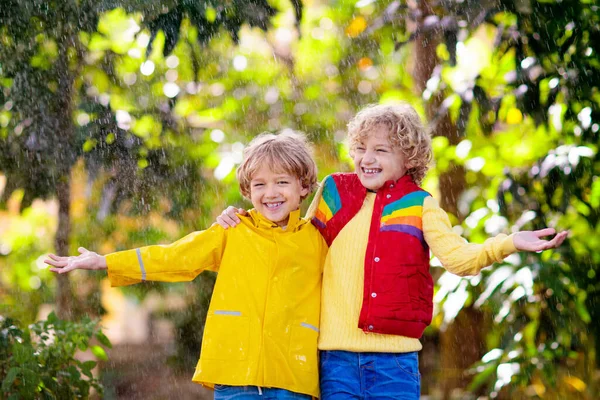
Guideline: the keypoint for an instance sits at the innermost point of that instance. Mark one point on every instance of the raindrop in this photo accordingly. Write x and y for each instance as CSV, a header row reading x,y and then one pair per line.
x,y
463,148
5,249
171,89
300,109
134,53
475,164
35,282
192,88
365,87
217,89
172,61
171,75
272,95
331,70
147,68
363,3
130,78
123,119
240,63
83,119
283,36
326,23
143,39
217,135
224,168
527,62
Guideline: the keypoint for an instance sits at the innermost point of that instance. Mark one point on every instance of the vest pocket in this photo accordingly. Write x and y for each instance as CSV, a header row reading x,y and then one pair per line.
x,y
226,336
395,286
303,346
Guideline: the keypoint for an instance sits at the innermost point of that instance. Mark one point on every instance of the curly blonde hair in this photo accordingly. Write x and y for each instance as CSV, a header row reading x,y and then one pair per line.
x,y
287,152
406,132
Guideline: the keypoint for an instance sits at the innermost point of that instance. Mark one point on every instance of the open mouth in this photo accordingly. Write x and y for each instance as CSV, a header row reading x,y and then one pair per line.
x,y
371,171
273,206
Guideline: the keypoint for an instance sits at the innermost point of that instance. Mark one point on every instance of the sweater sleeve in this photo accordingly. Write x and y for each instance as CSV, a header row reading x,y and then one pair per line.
x,y
454,252
180,261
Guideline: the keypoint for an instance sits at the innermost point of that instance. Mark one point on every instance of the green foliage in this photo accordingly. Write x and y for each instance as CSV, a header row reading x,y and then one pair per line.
x,y
40,362
24,283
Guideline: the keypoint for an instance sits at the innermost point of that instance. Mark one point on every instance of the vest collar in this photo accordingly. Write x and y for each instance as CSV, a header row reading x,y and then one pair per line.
x,y
394,185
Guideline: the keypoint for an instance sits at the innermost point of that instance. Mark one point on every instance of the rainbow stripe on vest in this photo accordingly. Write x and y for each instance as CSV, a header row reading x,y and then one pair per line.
x,y
329,205
405,215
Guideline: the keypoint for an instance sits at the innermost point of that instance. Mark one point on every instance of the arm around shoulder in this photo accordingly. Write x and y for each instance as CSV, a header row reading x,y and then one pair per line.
x,y
314,205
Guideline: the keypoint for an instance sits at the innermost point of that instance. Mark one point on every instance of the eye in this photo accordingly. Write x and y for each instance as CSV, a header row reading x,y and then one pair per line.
x,y
382,150
257,184
282,182
360,148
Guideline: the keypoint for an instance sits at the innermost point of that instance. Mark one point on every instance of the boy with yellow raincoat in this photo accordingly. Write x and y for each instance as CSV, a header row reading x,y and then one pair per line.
x,y
260,337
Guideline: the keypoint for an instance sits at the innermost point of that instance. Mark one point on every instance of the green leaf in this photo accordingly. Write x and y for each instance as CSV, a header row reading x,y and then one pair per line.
x,y
86,368
99,353
10,378
103,339
52,318
482,377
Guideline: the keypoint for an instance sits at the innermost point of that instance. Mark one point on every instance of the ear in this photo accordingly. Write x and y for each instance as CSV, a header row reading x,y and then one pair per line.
x,y
304,191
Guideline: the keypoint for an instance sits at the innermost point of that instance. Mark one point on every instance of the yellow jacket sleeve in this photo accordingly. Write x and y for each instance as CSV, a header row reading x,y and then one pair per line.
x,y
454,252
180,261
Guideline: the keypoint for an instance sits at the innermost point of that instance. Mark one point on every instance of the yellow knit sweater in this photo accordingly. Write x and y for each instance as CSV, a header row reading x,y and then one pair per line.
x,y
343,275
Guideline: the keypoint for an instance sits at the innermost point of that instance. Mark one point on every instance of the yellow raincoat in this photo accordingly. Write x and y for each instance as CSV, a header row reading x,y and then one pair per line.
x,y
263,318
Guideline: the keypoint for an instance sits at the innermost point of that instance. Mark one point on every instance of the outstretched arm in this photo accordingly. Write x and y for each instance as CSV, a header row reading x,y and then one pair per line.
x,y
463,258
180,261
85,260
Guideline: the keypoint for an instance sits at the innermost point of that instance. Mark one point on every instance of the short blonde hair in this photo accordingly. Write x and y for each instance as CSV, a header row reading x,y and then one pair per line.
x,y
405,129
287,152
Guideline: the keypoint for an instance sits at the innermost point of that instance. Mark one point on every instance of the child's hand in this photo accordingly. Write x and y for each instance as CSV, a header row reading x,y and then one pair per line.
x,y
531,240
85,260
228,218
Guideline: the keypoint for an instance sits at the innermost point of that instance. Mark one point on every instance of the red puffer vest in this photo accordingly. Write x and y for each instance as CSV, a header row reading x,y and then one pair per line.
x,y
398,289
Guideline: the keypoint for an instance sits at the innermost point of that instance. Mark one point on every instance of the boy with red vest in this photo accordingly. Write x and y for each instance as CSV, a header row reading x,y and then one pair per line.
x,y
380,226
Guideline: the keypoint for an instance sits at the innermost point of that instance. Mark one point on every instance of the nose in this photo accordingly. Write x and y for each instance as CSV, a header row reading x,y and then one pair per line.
x,y
271,191
369,157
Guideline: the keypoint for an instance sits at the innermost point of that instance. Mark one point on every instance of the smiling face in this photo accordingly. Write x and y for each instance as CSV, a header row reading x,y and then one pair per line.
x,y
376,161
276,194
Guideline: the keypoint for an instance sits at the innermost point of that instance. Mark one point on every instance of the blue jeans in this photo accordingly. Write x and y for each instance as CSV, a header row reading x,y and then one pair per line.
x,y
348,375
225,392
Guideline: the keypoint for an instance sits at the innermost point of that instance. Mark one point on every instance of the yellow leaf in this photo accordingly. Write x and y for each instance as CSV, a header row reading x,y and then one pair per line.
x,y
537,386
514,116
356,27
577,383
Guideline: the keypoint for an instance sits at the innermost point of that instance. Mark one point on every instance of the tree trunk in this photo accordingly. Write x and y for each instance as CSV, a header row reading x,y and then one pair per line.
x,y
462,344
64,295
65,159
452,183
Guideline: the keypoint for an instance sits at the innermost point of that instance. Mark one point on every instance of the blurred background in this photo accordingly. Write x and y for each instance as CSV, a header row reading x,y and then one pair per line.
x,y
122,123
